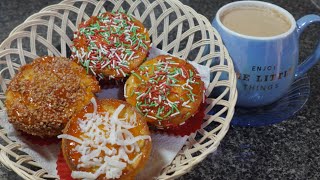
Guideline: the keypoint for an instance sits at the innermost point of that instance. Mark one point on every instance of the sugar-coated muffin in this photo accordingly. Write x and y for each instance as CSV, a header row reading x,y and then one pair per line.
x,y
44,95
167,90
108,139
111,44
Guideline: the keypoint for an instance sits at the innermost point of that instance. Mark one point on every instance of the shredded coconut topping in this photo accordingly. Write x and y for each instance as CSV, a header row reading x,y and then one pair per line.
x,y
101,133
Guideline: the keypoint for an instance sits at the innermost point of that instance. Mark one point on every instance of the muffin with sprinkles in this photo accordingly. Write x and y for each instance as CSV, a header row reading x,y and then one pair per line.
x,y
111,44
167,90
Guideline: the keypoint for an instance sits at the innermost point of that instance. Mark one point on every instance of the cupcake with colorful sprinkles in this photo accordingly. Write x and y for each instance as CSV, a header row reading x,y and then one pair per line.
x,y
109,139
111,44
167,90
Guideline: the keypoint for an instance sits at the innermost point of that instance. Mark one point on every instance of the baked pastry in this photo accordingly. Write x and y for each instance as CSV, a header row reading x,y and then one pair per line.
x,y
167,90
111,44
108,139
44,95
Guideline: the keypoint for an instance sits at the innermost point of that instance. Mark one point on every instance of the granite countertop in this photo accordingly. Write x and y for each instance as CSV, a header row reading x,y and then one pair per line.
x,y
287,150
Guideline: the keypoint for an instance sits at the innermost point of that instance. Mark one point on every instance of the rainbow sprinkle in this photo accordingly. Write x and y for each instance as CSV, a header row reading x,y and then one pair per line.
x,y
152,94
109,41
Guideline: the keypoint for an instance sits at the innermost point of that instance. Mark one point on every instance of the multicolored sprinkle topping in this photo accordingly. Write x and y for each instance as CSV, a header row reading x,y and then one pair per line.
x,y
110,41
166,87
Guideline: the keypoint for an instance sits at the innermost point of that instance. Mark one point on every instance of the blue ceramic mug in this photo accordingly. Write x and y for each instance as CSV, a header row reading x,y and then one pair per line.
x,y
265,66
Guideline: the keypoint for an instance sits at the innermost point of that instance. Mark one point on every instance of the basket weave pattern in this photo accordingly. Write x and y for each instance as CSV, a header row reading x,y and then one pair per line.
x,y
173,27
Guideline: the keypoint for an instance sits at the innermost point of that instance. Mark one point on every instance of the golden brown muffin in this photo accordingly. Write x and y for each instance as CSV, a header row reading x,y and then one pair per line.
x,y
111,44
167,90
44,95
108,139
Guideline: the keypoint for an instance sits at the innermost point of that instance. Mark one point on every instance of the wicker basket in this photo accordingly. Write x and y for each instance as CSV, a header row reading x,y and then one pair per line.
x,y
174,27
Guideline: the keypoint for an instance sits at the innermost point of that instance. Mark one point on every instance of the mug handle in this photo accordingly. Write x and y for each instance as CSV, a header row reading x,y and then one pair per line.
x,y
302,23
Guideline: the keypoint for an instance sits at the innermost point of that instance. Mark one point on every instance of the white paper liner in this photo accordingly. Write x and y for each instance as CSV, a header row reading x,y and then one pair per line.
x,y
164,147
45,155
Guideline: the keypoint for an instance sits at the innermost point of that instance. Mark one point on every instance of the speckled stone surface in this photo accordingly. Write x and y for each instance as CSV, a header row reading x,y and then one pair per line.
x,y
288,150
